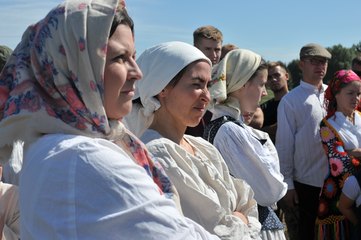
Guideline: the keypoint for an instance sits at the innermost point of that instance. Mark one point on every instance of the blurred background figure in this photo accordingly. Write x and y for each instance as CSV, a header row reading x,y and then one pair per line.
x,y
356,65
226,48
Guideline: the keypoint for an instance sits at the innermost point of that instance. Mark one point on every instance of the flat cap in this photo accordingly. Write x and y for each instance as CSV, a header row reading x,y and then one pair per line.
x,y
314,50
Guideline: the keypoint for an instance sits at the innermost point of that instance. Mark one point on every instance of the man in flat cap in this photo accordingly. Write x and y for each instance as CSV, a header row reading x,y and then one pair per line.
x,y
302,159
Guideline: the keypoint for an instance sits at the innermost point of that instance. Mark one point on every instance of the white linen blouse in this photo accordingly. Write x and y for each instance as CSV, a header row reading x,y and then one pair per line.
x,y
208,194
76,187
247,158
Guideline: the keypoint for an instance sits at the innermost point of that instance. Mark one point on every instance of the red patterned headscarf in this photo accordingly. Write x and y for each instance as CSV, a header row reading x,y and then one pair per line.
x,y
339,81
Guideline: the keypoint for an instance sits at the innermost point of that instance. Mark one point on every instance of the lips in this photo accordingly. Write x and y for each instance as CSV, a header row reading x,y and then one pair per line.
x,y
127,91
202,109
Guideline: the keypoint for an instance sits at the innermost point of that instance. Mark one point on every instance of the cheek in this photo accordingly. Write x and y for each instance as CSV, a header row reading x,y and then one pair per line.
x,y
114,79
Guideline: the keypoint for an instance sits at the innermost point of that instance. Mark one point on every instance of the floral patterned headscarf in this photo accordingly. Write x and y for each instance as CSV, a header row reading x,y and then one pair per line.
x,y
340,80
53,83
40,87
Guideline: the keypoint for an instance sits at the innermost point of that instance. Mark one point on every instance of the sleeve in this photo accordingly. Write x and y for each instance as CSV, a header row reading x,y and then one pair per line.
x,y
351,188
285,140
97,192
246,158
196,204
248,205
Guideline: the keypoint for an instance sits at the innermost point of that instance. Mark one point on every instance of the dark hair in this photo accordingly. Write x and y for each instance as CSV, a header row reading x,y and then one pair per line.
x,y
121,17
263,65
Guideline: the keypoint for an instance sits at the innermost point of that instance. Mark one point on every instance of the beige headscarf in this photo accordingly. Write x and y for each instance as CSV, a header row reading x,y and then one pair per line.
x,y
230,74
159,65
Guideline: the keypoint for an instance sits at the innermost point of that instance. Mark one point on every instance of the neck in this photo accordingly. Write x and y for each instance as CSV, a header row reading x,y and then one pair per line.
x,y
166,126
279,94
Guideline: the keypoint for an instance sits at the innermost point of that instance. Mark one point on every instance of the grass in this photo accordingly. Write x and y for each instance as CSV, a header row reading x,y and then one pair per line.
x,y
268,97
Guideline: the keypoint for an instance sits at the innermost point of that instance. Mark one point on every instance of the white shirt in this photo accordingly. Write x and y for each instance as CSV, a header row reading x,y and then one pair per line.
x,y
350,133
352,190
248,159
208,194
298,140
75,187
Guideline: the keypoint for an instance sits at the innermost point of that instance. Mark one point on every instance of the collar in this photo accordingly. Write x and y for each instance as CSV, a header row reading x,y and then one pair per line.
x,y
308,86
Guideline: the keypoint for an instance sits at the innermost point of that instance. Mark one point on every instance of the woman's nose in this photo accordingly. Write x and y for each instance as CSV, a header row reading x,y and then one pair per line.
x,y
134,71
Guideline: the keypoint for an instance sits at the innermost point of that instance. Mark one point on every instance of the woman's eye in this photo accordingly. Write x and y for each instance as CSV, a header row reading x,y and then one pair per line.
x,y
119,58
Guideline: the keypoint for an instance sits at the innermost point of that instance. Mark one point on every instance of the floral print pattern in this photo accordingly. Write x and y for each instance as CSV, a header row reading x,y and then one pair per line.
x,y
138,151
341,165
44,77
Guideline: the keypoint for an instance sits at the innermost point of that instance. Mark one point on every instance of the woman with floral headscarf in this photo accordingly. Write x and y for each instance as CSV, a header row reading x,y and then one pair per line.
x,y
238,83
341,138
172,96
63,93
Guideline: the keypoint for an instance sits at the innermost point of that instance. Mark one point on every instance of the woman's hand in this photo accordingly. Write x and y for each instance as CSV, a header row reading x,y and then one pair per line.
x,y
356,153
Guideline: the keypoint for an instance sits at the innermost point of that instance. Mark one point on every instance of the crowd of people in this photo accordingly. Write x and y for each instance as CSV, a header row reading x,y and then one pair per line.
x,y
175,144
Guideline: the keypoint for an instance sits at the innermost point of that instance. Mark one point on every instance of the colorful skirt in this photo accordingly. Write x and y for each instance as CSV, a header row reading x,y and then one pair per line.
x,y
333,228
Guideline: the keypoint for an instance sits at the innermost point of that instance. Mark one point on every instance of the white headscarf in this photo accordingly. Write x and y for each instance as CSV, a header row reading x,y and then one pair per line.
x,y
159,65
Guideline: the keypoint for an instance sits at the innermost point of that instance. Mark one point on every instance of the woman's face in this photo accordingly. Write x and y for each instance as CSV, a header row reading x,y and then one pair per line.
x,y
186,102
254,90
120,73
348,98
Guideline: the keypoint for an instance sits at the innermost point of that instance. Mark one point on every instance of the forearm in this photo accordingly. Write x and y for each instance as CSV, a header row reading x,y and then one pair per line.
x,y
356,153
349,214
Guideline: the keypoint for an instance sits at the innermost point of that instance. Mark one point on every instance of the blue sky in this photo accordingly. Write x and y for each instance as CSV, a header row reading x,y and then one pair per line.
x,y
276,29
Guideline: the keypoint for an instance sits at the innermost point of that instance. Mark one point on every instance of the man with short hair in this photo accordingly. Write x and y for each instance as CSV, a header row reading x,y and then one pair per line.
x,y
277,81
209,40
302,159
356,65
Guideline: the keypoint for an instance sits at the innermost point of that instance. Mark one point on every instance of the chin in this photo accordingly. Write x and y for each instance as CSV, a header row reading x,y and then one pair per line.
x,y
194,123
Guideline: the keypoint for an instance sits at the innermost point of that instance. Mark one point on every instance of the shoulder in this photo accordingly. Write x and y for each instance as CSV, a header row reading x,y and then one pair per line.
x,y
198,141
52,149
230,127
292,94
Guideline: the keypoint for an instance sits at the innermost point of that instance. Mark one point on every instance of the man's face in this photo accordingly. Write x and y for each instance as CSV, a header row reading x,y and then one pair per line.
x,y
313,69
277,78
211,48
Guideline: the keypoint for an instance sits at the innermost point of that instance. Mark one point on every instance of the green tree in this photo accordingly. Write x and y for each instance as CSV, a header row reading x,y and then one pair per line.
x,y
295,74
341,59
